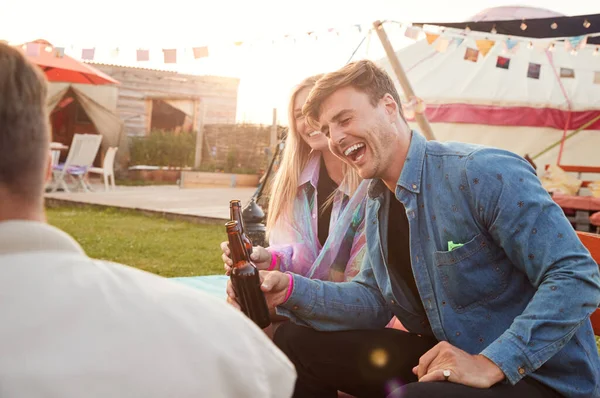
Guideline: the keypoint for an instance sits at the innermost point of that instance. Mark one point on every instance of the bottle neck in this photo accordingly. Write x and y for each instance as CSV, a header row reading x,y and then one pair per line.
x,y
235,214
239,255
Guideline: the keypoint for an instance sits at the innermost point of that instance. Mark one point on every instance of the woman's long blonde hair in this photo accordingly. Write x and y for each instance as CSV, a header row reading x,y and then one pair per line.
x,y
294,159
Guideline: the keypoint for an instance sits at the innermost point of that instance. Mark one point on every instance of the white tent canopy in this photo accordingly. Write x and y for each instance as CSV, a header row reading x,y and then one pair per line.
x,y
99,103
481,103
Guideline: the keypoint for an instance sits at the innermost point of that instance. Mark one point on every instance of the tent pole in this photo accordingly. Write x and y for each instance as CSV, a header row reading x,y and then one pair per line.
x,y
402,78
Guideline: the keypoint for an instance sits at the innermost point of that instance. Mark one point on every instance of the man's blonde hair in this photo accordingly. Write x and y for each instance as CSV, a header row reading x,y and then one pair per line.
x,y
364,76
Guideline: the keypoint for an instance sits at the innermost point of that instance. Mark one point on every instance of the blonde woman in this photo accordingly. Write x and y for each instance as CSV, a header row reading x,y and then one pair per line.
x,y
316,212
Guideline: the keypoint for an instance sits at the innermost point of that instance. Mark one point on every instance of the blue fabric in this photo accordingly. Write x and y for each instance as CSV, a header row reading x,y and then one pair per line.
x,y
74,170
519,290
212,284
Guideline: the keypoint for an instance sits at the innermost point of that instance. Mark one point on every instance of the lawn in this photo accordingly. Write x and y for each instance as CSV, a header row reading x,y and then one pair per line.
x,y
164,247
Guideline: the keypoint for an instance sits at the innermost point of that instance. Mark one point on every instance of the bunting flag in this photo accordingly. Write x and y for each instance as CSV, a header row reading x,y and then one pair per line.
x,y
142,55
575,43
471,54
484,46
359,28
442,45
431,37
458,41
567,73
58,52
412,33
542,45
502,62
238,43
200,52
33,49
533,70
88,54
170,56
511,45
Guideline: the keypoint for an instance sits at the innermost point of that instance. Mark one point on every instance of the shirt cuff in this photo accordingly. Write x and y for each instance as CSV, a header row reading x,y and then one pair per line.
x,y
300,302
509,357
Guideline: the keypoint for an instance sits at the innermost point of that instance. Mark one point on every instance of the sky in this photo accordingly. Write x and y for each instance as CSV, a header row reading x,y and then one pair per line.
x,y
265,43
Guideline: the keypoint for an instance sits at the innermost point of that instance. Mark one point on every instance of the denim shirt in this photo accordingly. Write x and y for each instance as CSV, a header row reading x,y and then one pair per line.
x,y
519,290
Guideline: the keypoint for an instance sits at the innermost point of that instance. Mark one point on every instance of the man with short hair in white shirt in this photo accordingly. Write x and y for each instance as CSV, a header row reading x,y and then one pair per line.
x,y
72,326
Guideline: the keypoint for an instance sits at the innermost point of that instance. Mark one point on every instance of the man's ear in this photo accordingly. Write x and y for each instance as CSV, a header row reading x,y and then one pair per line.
x,y
391,107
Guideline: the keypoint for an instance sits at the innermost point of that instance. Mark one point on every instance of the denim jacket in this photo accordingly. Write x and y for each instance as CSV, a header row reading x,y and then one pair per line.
x,y
519,290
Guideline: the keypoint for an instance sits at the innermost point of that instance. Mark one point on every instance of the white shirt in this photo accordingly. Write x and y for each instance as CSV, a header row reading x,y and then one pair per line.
x,y
71,326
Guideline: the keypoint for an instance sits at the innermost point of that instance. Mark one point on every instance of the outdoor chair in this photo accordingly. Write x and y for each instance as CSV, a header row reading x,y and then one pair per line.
x,y
107,170
82,152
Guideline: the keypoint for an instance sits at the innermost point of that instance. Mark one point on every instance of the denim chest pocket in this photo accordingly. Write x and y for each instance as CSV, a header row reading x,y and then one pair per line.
x,y
472,274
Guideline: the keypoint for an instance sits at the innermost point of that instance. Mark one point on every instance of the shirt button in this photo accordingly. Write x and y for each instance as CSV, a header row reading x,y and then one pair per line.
x,y
393,302
521,371
414,186
314,216
295,308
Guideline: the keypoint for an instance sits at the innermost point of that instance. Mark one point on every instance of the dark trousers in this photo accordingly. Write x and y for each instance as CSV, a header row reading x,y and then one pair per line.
x,y
376,363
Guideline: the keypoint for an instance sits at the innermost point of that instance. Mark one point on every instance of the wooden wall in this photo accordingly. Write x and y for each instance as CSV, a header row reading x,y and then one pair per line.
x,y
137,85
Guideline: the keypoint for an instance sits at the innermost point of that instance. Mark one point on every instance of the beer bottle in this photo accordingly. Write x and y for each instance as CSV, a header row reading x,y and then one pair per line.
x,y
245,279
235,214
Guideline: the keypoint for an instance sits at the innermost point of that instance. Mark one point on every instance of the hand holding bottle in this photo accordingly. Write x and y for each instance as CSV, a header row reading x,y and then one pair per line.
x,y
260,256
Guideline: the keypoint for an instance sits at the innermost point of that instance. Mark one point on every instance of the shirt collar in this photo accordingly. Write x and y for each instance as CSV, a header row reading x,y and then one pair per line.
x,y
410,177
17,236
311,170
310,174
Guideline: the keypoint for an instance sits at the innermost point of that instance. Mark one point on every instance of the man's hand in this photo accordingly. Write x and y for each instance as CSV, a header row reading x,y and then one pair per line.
x,y
471,370
260,256
273,283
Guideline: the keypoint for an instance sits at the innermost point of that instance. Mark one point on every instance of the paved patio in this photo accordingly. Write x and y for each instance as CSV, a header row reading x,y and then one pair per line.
x,y
209,203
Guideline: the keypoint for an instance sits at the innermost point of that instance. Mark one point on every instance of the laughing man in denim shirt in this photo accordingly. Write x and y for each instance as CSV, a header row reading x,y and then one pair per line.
x,y
465,248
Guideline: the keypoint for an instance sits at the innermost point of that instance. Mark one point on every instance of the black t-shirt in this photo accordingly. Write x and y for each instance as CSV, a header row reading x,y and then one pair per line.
x,y
399,263
325,187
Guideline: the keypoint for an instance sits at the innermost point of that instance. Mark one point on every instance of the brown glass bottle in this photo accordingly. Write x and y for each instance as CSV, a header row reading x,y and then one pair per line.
x,y
245,279
235,214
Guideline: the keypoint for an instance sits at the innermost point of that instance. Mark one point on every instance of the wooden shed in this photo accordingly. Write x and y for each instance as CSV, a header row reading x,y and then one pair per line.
x,y
153,99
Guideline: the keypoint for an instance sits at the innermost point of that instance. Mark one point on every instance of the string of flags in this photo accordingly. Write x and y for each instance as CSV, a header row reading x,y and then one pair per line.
x,y
442,38
171,55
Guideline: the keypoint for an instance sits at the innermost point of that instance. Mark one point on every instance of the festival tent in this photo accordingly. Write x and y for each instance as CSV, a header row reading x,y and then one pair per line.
x,y
99,105
523,95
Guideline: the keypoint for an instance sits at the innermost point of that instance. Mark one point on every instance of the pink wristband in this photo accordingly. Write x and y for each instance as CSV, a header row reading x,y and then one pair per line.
x,y
273,262
290,288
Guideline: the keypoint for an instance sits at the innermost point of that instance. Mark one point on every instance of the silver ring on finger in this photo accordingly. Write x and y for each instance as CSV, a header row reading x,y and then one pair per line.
x,y
446,374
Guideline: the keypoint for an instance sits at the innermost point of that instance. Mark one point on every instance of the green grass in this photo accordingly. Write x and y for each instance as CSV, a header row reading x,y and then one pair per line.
x,y
163,247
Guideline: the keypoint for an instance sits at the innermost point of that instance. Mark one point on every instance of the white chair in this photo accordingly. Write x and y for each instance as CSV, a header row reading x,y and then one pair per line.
x,y
107,170
55,157
82,152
